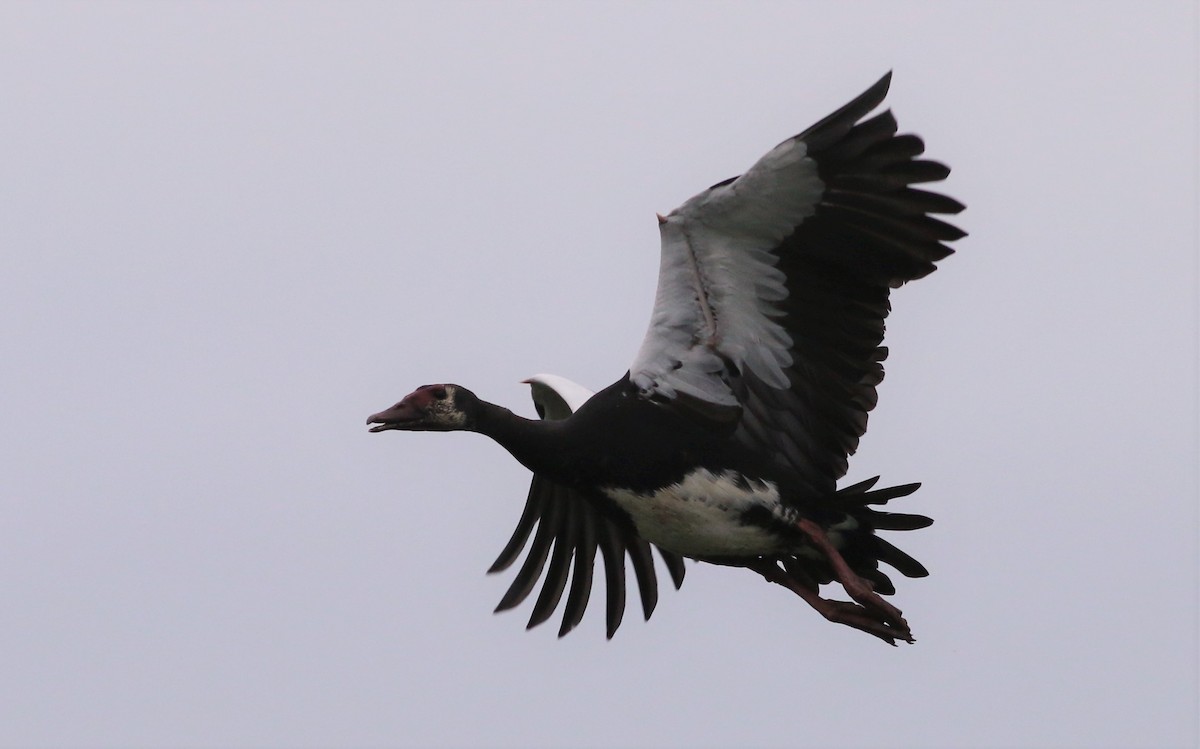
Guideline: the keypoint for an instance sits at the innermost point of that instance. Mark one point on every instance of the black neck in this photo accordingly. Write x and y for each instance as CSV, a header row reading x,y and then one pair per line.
x,y
538,445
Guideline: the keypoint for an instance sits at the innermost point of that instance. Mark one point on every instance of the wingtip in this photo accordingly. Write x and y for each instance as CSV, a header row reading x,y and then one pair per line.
x,y
648,608
879,90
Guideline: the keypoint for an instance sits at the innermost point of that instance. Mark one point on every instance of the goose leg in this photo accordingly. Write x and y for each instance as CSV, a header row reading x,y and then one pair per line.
x,y
859,589
854,615
851,614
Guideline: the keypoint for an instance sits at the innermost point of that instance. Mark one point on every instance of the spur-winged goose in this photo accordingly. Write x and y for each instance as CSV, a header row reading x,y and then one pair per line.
x,y
725,439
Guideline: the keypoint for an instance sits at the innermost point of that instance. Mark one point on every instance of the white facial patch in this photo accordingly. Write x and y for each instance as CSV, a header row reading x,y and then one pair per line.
x,y
701,515
446,412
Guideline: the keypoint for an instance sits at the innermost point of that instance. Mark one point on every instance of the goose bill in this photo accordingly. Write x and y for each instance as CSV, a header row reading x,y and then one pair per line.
x,y
400,416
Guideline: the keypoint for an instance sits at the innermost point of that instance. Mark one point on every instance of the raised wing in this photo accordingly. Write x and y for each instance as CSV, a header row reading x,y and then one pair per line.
x,y
570,531
773,287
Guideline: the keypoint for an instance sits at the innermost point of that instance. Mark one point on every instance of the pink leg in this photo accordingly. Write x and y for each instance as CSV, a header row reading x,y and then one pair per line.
x,y
883,622
859,589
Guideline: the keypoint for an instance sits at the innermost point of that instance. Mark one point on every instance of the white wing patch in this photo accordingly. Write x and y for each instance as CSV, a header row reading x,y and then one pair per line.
x,y
718,283
557,396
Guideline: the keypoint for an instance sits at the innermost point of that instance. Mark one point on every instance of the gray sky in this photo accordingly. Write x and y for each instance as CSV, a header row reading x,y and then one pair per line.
x,y
231,231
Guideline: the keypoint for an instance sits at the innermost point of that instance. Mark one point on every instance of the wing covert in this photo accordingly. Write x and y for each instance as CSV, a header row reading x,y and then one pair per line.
x,y
774,286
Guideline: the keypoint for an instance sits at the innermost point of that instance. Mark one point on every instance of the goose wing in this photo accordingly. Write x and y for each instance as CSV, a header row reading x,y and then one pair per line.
x,y
773,288
569,533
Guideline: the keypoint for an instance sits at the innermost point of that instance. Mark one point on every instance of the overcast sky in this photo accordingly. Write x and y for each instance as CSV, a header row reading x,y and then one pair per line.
x,y
231,231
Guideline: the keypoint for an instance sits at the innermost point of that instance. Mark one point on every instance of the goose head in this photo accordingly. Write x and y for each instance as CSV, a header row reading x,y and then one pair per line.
x,y
429,408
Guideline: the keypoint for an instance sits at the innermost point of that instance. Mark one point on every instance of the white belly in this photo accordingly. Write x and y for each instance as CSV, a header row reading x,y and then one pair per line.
x,y
701,515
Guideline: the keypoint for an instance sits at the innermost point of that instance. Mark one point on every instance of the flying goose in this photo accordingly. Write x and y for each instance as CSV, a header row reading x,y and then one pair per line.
x,y
725,439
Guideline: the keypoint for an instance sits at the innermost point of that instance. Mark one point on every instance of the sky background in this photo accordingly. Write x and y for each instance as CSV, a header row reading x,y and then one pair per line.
x,y
231,231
